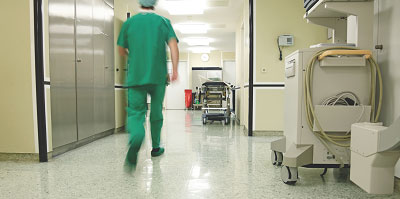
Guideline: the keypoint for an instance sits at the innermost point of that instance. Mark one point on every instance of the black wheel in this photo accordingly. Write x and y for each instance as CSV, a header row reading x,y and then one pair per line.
x,y
227,120
276,158
289,175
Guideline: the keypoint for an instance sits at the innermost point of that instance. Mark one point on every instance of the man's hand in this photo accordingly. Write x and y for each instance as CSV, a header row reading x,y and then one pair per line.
x,y
122,51
174,76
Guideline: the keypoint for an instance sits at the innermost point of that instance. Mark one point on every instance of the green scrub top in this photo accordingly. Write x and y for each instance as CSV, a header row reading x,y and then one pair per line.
x,y
146,36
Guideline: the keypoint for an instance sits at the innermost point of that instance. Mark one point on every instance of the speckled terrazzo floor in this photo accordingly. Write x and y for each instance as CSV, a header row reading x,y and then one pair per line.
x,y
212,161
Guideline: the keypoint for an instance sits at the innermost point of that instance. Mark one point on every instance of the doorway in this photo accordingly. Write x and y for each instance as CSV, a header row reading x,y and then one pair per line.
x,y
229,72
175,93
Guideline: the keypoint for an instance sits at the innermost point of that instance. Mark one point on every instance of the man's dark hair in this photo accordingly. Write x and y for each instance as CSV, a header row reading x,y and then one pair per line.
x,y
151,7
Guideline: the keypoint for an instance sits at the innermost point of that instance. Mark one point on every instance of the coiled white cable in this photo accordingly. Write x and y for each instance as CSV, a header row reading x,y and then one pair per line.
x,y
310,112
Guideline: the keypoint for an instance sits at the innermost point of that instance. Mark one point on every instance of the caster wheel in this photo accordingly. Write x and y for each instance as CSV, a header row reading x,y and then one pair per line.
x,y
204,120
276,158
227,120
289,175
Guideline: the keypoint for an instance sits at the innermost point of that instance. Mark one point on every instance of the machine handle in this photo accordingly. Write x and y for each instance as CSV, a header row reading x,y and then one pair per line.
x,y
367,53
379,47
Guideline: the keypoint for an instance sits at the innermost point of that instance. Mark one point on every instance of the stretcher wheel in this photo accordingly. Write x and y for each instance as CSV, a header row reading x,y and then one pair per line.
x,y
276,158
289,175
227,120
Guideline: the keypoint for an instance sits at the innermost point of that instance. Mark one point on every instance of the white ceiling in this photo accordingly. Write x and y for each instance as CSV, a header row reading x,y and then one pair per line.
x,y
221,15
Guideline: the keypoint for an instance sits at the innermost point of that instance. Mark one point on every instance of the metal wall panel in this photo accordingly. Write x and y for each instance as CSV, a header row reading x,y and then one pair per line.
x,y
103,22
62,63
109,64
84,68
99,68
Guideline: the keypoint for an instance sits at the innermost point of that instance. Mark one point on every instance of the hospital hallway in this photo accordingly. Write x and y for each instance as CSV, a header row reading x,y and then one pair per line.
x,y
201,161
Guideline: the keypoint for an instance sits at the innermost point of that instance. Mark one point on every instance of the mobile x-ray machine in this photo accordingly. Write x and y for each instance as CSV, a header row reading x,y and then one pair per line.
x,y
330,87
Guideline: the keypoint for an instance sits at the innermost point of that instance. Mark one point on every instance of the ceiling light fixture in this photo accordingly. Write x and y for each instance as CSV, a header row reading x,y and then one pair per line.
x,y
185,7
192,28
197,41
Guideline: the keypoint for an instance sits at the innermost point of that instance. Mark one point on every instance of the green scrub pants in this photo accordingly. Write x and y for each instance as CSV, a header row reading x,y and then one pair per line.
x,y
136,110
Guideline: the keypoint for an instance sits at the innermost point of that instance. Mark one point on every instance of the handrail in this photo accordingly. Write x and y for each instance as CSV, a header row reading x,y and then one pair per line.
x,y
367,53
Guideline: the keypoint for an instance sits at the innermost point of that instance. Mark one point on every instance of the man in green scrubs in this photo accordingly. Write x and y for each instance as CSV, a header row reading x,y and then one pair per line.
x,y
143,38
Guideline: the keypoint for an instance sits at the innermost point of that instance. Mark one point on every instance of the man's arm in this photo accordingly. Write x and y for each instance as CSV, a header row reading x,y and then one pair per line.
x,y
173,46
122,51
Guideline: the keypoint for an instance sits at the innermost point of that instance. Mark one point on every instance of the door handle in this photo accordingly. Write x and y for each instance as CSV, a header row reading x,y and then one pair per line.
x,y
79,60
104,34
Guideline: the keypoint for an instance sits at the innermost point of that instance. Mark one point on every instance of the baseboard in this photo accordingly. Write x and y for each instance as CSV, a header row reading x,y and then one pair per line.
x,y
19,157
121,129
263,133
237,121
62,149
268,133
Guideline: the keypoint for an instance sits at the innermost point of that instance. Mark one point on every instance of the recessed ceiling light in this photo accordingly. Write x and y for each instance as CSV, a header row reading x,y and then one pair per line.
x,y
192,28
197,41
185,7
201,49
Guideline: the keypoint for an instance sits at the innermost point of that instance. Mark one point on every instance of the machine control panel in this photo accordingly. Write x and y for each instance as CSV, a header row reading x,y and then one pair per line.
x,y
290,69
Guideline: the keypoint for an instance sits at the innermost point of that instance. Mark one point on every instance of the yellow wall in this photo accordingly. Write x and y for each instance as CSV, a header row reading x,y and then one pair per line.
x,y
121,8
120,105
18,101
183,56
242,65
228,56
239,69
272,19
215,59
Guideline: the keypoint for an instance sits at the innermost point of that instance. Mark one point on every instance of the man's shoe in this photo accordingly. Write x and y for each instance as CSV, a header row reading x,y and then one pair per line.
x,y
129,167
131,160
157,152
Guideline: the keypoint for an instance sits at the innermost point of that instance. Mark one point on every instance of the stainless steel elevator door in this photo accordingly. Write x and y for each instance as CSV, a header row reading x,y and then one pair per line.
x,y
84,68
62,63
